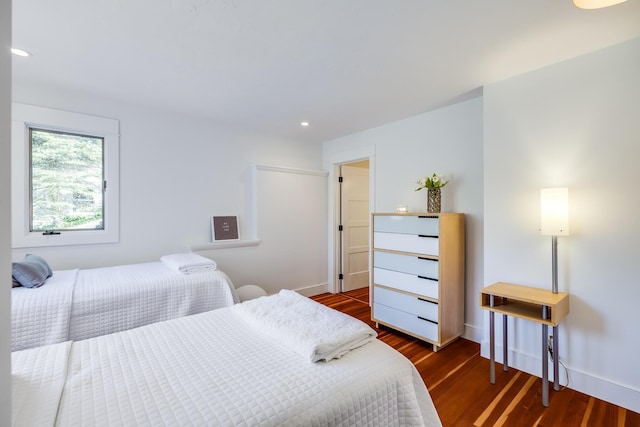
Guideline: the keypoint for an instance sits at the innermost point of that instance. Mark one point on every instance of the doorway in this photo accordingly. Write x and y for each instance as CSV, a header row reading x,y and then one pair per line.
x,y
354,219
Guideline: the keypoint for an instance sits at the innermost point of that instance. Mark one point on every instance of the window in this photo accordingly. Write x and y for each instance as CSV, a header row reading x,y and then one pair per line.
x,y
66,181
65,178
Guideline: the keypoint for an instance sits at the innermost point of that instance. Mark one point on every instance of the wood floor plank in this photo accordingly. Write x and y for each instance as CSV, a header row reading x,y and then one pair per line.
x,y
506,399
603,414
622,417
632,418
587,413
452,372
506,414
487,412
457,378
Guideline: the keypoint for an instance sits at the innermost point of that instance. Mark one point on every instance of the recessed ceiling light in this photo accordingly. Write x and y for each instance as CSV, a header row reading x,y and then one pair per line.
x,y
305,124
19,52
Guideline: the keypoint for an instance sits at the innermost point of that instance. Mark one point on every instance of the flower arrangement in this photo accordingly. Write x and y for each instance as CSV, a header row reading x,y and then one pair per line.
x,y
433,181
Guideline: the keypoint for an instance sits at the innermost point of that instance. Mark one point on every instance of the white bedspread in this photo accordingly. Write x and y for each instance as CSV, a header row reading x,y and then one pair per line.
x,y
215,369
80,304
112,299
37,379
41,316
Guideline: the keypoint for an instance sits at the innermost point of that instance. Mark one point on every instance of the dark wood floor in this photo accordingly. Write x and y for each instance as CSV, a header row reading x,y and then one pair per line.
x,y
458,380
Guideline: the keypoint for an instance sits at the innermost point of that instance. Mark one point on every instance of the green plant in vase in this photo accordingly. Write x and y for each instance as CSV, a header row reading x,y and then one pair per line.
x,y
434,185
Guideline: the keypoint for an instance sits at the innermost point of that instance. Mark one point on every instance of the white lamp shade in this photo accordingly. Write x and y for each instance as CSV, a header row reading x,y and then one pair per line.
x,y
596,4
554,211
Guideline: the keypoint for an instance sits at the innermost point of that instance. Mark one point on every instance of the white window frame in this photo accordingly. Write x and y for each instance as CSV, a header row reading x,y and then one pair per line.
x,y
29,116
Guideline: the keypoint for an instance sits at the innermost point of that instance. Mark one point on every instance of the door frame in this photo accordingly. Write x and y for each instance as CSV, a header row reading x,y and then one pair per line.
x,y
334,163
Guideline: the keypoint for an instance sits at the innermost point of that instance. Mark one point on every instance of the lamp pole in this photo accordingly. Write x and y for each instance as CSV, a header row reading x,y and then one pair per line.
x,y
554,264
554,211
554,289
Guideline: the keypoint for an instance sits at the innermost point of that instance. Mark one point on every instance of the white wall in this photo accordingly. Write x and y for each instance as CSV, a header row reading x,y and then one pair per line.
x,y
175,173
447,141
575,124
5,213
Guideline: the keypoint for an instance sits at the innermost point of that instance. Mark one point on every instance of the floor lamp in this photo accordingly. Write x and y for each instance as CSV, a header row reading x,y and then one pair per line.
x,y
554,221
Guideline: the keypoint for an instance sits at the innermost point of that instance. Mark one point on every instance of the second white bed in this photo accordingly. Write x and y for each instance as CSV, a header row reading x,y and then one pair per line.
x,y
80,304
216,368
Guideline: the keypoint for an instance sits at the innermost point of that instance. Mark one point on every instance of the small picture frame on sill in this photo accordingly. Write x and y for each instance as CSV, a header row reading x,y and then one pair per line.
x,y
224,228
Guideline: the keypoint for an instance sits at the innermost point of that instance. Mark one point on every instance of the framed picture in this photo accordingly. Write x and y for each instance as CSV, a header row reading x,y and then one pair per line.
x,y
224,228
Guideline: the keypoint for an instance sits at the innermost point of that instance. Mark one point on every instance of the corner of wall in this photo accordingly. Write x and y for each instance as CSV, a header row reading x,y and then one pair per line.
x,y
5,213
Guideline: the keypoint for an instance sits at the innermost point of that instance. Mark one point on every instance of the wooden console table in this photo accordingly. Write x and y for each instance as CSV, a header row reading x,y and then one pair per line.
x,y
534,304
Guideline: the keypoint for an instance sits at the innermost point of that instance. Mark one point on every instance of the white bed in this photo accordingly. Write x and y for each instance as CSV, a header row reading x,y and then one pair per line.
x,y
80,304
219,368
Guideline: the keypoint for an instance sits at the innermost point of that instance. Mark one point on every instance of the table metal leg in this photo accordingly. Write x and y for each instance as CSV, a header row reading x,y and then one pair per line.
x,y
505,345
492,348
556,360
545,361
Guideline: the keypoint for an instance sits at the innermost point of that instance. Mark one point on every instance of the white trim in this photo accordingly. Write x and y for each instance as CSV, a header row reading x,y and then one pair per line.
x,y
251,202
350,156
334,235
25,116
473,333
605,389
313,290
225,245
290,170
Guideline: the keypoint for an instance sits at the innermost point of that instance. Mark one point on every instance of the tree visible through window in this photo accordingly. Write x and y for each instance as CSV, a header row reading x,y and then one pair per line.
x,y
67,181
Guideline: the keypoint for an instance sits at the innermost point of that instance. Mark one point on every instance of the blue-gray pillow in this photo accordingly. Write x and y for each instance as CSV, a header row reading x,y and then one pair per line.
x,y
31,272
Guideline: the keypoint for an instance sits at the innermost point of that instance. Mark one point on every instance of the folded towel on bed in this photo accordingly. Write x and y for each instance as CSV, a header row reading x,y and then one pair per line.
x,y
188,263
311,329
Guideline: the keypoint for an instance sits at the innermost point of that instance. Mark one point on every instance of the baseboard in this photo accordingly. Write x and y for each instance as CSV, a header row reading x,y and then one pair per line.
x,y
601,388
607,390
313,290
473,333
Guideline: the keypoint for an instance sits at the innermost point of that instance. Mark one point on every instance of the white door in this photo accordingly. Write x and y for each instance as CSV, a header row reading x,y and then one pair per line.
x,y
355,225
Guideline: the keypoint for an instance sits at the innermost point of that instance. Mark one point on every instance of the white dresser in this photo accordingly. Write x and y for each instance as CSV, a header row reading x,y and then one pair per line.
x,y
417,285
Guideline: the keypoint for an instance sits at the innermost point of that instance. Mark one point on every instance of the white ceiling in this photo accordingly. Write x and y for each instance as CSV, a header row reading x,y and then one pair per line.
x,y
343,65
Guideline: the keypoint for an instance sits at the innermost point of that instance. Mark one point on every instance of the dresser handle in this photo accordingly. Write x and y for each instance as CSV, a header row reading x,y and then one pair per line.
x,y
426,300
427,278
427,216
427,320
430,236
427,259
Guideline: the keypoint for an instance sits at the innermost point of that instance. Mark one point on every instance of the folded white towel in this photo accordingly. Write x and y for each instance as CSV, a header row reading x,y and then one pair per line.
x,y
188,263
311,329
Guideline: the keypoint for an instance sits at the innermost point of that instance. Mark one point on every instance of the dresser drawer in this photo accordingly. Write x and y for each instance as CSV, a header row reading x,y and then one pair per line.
x,y
406,224
407,303
408,322
419,244
406,264
406,282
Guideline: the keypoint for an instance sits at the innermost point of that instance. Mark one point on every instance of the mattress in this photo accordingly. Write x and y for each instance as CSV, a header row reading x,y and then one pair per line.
x,y
80,304
215,368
